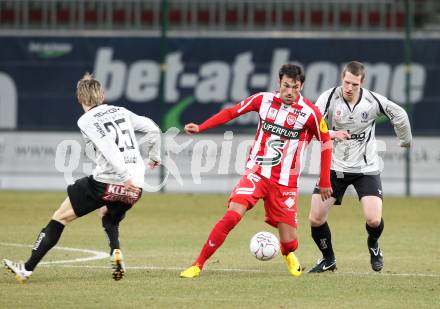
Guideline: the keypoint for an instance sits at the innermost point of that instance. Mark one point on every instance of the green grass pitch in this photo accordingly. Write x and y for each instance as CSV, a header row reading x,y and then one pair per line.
x,y
163,234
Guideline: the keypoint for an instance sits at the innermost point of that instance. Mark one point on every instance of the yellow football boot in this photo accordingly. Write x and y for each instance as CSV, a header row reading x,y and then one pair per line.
x,y
293,264
191,272
118,266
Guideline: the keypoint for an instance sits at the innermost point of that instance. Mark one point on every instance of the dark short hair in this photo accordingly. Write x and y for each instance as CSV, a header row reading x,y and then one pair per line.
x,y
355,68
293,71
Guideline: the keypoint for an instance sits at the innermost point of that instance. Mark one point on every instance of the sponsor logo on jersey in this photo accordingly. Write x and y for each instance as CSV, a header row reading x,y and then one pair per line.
x,y
299,113
291,119
272,114
277,145
323,126
358,137
289,193
290,202
281,131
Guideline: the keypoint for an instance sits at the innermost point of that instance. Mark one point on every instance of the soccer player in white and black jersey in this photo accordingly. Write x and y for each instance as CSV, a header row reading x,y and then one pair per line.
x,y
288,122
116,183
351,112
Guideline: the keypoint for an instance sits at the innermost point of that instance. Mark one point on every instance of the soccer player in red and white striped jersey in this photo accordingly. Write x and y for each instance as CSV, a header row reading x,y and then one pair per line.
x,y
288,122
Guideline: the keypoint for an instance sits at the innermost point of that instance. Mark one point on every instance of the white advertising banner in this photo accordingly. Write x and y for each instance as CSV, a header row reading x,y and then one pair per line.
x,y
197,163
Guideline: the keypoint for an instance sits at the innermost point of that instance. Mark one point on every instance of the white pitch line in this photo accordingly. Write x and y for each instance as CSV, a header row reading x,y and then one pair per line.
x,y
337,273
389,274
96,255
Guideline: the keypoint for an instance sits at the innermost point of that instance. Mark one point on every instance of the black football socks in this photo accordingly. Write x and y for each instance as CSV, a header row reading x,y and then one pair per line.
x,y
323,239
46,240
374,233
111,229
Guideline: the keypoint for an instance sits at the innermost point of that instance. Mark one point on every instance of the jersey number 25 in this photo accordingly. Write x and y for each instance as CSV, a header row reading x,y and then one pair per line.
x,y
123,138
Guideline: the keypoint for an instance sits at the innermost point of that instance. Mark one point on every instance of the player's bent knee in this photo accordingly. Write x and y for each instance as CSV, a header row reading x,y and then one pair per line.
x,y
101,212
287,232
63,218
316,220
238,208
60,218
65,213
316,216
374,222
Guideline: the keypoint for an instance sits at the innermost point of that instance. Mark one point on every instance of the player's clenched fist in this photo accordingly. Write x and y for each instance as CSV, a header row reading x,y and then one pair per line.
x,y
191,128
340,135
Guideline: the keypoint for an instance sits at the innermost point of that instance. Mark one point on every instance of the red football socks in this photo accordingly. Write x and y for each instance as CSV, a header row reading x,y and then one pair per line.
x,y
217,236
287,247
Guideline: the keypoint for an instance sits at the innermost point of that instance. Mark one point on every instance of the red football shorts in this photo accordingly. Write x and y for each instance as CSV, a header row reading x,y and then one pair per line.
x,y
279,201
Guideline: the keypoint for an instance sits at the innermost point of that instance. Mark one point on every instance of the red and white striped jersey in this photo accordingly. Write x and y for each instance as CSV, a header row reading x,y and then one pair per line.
x,y
283,133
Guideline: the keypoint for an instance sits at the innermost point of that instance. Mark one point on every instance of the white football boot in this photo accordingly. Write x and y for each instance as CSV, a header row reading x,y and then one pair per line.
x,y
21,274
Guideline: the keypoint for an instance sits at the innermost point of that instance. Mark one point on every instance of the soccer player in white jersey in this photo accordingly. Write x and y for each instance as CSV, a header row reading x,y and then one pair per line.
x,y
351,112
116,183
288,122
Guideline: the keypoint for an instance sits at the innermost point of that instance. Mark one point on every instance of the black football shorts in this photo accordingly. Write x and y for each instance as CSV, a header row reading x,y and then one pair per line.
x,y
87,195
364,184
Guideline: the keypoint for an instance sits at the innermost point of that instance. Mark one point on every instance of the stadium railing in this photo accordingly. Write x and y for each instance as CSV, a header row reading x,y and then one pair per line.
x,y
237,15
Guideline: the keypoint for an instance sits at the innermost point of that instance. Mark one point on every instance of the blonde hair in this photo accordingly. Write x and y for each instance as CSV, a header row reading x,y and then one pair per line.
x,y
89,91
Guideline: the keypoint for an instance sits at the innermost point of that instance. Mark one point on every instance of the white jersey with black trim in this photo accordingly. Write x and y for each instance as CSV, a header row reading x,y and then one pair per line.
x,y
358,154
108,132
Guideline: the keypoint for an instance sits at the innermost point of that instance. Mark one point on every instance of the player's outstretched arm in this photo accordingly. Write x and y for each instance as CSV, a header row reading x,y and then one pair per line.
x,y
214,121
249,104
